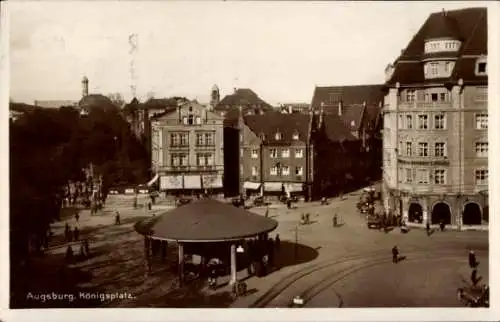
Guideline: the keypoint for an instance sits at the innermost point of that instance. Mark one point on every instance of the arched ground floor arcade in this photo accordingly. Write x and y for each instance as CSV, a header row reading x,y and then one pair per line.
x,y
455,210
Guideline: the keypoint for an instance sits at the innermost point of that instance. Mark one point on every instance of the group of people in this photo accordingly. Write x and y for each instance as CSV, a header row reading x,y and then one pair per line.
x,y
259,257
475,301
73,235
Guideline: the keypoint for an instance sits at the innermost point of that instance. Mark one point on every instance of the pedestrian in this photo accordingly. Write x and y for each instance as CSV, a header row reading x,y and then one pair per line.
x,y
86,246
277,241
474,278
267,212
442,225
82,250
335,220
472,259
428,227
67,232
395,254
76,233
69,254
77,216
117,218
289,203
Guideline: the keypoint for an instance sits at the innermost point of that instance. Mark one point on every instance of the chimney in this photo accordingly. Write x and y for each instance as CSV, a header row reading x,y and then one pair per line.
x,y
321,115
340,108
290,109
85,86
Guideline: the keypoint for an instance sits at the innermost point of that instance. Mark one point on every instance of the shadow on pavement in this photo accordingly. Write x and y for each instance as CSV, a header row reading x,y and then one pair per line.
x,y
290,254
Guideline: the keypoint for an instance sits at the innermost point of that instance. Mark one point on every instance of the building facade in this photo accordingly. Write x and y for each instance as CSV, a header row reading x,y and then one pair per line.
x,y
360,109
274,150
188,150
435,163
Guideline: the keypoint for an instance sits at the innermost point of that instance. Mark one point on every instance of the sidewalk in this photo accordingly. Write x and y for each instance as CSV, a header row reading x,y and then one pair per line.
x,y
451,227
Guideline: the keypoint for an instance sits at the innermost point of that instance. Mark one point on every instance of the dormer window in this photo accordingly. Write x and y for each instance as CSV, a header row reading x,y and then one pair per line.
x,y
481,66
190,108
438,69
441,45
295,136
190,119
278,136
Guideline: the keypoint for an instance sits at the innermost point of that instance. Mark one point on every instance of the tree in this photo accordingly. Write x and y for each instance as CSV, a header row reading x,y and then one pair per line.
x,y
48,148
117,99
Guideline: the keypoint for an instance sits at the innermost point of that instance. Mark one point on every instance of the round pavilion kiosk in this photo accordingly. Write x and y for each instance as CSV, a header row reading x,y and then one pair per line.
x,y
204,221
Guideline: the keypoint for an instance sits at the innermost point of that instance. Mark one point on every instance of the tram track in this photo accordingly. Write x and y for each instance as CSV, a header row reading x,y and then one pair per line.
x,y
335,277
371,258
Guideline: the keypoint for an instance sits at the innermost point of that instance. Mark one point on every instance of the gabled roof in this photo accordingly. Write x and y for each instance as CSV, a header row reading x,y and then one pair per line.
x,y
371,117
244,97
352,98
349,95
272,122
468,25
442,25
335,129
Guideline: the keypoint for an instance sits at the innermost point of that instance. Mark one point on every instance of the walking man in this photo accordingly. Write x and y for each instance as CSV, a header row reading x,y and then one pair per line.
x,y
67,232
335,220
77,216
76,233
474,278
472,260
428,227
441,225
395,254
117,218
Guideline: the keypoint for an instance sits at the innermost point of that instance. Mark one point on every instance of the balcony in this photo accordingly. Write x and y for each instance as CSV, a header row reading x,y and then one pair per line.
x,y
428,160
191,168
207,146
425,105
179,146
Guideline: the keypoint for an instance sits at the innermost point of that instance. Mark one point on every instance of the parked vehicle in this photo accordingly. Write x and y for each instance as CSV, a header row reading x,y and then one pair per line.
x,y
373,222
183,201
258,201
238,202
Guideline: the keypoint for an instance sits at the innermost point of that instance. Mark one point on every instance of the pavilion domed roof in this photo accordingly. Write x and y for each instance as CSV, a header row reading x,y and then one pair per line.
x,y
206,220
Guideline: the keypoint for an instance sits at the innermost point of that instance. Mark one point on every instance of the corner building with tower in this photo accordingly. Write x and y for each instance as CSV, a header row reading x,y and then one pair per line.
x,y
435,136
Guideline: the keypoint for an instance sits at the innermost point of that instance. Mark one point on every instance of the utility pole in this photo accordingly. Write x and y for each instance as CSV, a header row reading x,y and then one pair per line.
x,y
296,241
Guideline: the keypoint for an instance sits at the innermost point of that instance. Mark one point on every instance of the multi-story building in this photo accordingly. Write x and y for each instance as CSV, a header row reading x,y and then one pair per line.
x,y
274,149
436,122
188,150
359,107
311,155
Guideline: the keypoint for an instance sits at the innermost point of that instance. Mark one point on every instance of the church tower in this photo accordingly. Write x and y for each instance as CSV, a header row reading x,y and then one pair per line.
x,y
214,97
85,86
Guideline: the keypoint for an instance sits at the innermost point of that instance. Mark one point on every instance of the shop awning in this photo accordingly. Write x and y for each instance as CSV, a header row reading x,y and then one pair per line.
x,y
170,182
293,187
153,181
251,185
211,181
192,182
273,186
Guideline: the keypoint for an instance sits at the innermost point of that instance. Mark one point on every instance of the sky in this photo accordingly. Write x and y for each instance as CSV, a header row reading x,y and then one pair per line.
x,y
281,50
